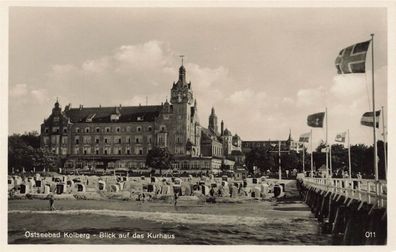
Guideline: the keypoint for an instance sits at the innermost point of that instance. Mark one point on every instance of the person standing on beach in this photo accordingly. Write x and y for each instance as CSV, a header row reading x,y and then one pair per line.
x,y
175,197
51,202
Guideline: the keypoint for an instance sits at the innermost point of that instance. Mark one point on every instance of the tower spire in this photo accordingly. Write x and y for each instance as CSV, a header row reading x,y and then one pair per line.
x,y
182,71
182,59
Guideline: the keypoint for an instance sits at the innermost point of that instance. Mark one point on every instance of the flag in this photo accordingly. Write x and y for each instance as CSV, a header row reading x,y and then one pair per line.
x,y
316,120
340,137
352,59
367,119
304,138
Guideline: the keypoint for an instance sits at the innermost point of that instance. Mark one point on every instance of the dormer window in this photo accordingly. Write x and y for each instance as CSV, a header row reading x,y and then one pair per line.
x,y
139,118
114,117
90,118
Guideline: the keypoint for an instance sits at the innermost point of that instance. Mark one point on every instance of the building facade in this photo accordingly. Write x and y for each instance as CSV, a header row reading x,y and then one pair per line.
x,y
285,145
119,137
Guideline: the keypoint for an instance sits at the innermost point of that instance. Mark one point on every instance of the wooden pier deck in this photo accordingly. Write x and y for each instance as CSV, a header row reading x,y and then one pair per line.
x,y
354,211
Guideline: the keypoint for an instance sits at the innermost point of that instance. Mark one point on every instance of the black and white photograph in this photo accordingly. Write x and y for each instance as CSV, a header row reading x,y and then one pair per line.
x,y
196,125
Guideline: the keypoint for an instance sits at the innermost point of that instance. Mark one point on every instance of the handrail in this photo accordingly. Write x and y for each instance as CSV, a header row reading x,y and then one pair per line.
x,y
365,190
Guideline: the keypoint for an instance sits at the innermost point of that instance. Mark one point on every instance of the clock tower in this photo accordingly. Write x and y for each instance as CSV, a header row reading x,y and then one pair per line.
x,y
186,120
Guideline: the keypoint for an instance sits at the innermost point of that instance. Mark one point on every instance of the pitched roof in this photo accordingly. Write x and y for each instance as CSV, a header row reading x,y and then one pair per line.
x,y
103,114
207,133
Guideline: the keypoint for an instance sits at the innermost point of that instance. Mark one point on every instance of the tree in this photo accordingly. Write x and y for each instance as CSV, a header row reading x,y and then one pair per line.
x,y
20,154
159,158
381,159
32,139
45,159
290,161
262,158
24,152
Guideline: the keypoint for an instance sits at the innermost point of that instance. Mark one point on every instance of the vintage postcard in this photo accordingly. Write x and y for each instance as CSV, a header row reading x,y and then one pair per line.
x,y
188,124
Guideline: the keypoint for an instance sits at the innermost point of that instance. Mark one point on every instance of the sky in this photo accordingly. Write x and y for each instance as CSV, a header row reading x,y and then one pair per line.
x,y
264,70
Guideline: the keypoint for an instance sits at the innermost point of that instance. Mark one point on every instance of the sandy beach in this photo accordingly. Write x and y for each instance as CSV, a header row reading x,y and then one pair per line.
x,y
190,222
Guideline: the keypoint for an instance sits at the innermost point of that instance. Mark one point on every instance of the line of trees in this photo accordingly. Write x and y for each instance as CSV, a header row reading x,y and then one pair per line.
x,y
362,160
25,154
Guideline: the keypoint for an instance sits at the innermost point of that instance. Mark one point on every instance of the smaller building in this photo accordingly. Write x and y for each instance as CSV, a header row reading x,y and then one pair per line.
x,y
285,145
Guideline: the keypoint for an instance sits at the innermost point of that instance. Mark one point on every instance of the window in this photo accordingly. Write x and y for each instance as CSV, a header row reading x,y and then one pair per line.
x,y
77,141
107,129
138,128
78,130
119,140
118,129
46,130
97,151
119,151
128,151
149,139
55,129
46,140
128,128
64,151
105,151
149,128
87,139
87,130
129,140
85,152
97,130
106,140
139,151
162,128
97,140
64,130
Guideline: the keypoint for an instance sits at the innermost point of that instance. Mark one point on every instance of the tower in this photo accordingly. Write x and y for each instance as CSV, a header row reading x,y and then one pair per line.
x,y
213,121
184,110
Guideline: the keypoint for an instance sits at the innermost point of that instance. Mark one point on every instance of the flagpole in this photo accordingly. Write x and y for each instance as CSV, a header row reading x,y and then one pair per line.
x,y
349,156
279,155
311,155
327,151
303,159
384,135
374,115
331,166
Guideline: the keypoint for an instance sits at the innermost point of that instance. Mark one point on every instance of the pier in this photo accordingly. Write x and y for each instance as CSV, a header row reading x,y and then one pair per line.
x,y
352,210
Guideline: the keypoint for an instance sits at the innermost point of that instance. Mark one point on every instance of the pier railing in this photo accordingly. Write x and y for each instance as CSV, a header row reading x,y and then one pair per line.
x,y
364,190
